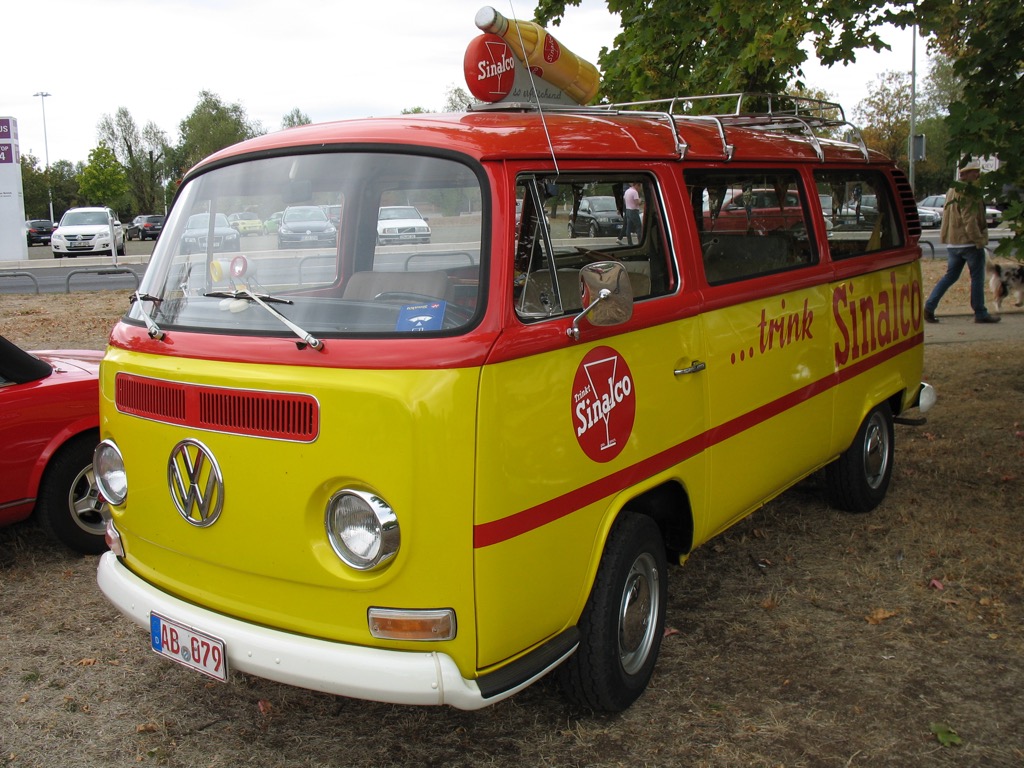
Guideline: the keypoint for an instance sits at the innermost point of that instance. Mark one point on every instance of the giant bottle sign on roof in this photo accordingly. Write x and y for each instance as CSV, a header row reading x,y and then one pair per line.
x,y
520,62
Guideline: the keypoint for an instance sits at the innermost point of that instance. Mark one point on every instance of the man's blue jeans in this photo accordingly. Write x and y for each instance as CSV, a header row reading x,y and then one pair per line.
x,y
956,258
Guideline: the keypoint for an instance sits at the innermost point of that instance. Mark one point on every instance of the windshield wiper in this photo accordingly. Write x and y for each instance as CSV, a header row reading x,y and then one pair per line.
x,y
262,300
151,327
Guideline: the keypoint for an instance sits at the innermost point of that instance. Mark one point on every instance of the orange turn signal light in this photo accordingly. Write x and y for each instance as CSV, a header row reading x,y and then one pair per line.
x,y
399,624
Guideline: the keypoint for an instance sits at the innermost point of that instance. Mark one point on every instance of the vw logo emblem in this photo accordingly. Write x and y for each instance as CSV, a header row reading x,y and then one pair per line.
x,y
195,482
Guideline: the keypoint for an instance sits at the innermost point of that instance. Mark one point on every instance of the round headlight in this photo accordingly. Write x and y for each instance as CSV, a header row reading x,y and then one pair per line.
x,y
108,467
362,528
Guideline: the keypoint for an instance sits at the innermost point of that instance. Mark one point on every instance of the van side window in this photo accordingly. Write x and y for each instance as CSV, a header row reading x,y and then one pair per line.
x,y
859,212
567,221
751,223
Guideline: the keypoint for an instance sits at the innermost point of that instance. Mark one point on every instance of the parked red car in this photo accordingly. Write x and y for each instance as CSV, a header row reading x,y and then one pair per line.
x,y
49,426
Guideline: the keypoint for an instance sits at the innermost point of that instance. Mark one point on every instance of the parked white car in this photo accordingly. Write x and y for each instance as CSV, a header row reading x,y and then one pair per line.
x,y
937,202
89,231
401,224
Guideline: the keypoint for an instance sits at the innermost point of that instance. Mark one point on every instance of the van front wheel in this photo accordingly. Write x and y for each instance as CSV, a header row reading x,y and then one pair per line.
x,y
858,480
624,619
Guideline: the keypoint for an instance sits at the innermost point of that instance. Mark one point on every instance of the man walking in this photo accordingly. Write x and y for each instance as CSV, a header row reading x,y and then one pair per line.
x,y
965,234
632,202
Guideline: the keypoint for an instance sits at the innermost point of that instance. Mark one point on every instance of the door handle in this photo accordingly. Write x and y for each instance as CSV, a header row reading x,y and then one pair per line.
x,y
694,367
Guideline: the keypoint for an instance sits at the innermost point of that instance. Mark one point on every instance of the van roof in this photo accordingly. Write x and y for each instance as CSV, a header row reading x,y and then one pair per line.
x,y
583,133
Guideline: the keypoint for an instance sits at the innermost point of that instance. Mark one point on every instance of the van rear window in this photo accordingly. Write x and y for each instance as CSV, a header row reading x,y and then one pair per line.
x,y
859,213
751,223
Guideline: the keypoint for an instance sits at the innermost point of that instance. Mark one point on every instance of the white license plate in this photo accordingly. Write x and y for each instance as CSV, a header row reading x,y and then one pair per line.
x,y
309,237
188,646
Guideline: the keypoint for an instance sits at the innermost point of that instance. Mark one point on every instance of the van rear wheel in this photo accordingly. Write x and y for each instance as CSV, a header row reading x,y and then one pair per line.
x,y
858,480
624,619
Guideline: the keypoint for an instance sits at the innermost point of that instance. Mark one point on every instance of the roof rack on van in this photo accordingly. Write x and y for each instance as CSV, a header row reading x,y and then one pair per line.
x,y
801,115
765,111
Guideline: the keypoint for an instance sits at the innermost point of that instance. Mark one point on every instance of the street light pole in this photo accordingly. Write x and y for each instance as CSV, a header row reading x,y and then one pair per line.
x,y
46,145
913,108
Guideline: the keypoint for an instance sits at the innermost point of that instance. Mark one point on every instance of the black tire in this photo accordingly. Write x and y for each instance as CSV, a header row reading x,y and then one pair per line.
x,y
594,231
68,506
624,619
858,480
122,250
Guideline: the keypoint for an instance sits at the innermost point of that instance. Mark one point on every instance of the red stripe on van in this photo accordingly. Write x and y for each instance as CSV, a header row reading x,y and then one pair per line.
x,y
498,531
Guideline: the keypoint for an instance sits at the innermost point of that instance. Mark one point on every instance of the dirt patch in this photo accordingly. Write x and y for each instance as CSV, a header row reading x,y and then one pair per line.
x,y
801,637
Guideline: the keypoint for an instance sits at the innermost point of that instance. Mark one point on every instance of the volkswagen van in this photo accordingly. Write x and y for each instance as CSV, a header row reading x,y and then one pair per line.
x,y
432,473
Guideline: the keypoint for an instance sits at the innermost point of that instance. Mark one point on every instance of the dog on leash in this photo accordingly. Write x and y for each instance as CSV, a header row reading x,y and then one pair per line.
x,y
1004,280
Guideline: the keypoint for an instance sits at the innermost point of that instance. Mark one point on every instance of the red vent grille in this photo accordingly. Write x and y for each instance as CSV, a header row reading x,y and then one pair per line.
x,y
275,415
906,193
160,400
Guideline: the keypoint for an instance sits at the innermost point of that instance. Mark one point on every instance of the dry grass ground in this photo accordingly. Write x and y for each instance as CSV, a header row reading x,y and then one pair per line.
x,y
802,637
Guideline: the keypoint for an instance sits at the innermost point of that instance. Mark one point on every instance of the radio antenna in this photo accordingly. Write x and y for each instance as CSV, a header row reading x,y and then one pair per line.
x,y
533,86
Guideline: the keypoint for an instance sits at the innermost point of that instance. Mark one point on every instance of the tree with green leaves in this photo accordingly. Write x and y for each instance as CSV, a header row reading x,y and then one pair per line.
x,y
33,185
295,118
142,155
683,47
103,180
457,99
884,116
64,185
986,120
211,126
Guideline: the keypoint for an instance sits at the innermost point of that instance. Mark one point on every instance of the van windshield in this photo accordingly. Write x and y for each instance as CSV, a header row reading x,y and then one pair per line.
x,y
350,274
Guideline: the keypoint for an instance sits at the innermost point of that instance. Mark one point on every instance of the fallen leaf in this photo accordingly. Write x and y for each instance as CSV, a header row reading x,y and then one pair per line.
x,y
147,728
947,736
265,707
936,584
87,662
669,632
879,615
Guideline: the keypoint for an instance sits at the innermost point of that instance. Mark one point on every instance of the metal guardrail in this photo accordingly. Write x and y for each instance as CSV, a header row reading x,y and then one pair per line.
x,y
20,273
99,271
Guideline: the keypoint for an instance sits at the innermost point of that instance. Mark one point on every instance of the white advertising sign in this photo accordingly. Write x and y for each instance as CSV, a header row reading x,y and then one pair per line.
x,y
12,196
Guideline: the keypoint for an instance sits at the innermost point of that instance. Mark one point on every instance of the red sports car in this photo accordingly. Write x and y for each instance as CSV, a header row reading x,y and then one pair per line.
x,y
49,426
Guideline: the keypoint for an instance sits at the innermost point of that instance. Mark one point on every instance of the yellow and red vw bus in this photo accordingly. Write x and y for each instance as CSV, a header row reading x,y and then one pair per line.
x,y
433,472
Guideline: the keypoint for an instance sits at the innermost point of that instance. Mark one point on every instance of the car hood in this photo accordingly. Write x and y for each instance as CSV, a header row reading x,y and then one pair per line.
x,y
86,361
218,232
307,226
381,223
83,229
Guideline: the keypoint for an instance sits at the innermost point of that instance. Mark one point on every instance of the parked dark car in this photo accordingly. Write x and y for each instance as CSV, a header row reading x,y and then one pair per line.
x,y
147,227
195,238
50,407
596,217
38,231
306,225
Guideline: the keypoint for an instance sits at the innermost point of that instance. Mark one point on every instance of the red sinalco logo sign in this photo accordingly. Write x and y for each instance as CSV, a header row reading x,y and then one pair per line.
x,y
603,404
490,68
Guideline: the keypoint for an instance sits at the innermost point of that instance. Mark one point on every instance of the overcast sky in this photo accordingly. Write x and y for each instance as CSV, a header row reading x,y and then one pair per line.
x,y
332,59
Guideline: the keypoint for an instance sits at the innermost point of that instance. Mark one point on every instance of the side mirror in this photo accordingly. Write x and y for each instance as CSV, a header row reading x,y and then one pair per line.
x,y
607,296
